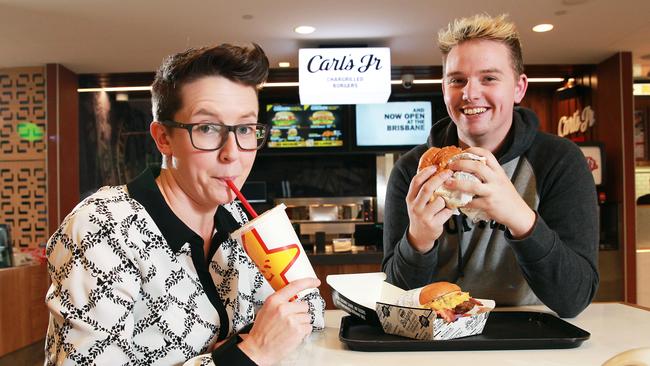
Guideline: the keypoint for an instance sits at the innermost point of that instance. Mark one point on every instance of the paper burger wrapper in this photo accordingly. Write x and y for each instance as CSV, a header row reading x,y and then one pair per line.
x,y
369,297
456,200
410,298
272,244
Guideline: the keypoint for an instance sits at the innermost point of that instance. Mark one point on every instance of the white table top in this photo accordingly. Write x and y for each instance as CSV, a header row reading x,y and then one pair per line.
x,y
614,328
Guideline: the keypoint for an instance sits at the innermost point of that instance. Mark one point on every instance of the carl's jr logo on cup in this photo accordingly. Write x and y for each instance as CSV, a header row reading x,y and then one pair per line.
x,y
274,262
272,244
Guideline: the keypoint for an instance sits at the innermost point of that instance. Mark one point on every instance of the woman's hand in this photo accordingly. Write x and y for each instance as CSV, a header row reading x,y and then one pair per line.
x,y
280,326
426,219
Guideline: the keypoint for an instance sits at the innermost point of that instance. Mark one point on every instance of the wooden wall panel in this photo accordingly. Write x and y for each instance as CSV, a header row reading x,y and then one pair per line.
x,y
63,143
540,100
22,155
23,314
566,102
22,100
614,108
23,201
629,200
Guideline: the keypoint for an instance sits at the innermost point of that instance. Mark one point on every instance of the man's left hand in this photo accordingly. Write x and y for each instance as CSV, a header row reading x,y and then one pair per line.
x,y
495,194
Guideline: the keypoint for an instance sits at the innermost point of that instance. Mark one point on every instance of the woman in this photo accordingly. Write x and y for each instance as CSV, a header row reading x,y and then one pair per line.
x,y
146,273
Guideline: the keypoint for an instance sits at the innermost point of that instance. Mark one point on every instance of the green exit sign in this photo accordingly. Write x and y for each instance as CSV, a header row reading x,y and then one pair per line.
x,y
30,131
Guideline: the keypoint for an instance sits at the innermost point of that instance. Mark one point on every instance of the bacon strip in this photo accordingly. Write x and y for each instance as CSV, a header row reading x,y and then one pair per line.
x,y
450,315
447,314
476,302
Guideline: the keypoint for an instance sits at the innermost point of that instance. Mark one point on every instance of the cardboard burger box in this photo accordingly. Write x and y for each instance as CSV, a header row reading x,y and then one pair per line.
x,y
369,297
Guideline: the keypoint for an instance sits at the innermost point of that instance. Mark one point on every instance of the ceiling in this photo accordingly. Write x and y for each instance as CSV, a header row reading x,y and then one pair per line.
x,y
101,36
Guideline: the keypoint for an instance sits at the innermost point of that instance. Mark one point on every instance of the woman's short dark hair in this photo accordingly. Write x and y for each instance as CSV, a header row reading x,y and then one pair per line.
x,y
247,65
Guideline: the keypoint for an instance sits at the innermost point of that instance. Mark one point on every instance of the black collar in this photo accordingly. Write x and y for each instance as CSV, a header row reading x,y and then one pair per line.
x,y
144,190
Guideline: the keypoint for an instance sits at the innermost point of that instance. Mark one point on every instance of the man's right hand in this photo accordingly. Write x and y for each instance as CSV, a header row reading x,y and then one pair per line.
x,y
280,326
426,219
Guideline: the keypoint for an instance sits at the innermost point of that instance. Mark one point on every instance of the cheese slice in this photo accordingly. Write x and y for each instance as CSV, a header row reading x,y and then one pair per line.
x,y
448,301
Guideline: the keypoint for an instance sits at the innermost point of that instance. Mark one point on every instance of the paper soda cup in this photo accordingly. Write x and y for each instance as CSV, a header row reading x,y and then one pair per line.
x,y
272,244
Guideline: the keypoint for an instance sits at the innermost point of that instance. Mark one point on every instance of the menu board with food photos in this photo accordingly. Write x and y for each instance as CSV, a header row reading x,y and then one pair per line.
x,y
296,125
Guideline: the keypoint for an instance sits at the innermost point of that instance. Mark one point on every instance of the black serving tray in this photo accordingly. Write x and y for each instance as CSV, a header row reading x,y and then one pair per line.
x,y
503,330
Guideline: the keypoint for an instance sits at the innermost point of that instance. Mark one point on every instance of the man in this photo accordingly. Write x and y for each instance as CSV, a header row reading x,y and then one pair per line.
x,y
146,273
541,242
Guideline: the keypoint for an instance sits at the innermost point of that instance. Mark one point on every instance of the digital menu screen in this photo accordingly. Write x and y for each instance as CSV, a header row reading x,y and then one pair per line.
x,y
309,125
393,123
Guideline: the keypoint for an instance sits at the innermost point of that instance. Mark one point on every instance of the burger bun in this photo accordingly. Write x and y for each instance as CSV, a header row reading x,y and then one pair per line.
x,y
435,290
454,199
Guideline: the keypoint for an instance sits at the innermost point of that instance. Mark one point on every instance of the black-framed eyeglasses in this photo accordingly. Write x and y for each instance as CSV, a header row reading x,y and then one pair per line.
x,y
210,136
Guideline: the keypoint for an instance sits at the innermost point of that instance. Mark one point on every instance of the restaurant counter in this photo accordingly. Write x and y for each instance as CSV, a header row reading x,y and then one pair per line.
x,y
366,260
359,255
614,328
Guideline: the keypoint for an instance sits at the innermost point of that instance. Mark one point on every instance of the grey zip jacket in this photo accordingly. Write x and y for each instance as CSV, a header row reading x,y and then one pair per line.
x,y
555,265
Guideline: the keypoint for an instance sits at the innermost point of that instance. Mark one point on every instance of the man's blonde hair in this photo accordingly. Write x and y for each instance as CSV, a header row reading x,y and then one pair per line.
x,y
483,27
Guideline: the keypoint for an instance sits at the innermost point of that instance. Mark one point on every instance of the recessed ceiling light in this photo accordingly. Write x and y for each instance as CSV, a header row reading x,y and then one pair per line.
x,y
284,64
304,29
540,28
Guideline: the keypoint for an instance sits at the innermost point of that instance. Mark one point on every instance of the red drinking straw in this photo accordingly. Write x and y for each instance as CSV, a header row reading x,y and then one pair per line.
x,y
247,205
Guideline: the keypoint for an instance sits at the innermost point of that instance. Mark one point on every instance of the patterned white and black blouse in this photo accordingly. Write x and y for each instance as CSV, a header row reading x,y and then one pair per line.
x,y
131,285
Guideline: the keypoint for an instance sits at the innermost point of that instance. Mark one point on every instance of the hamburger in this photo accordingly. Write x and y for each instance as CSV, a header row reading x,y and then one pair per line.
x,y
284,118
455,200
292,132
447,300
322,118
